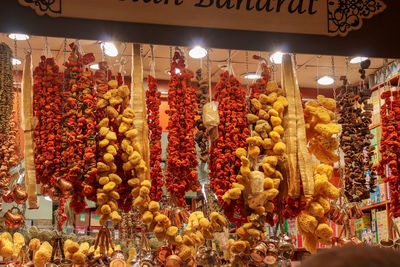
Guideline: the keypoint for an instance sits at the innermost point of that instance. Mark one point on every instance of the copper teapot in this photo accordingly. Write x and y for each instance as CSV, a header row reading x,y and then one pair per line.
x,y
13,220
20,196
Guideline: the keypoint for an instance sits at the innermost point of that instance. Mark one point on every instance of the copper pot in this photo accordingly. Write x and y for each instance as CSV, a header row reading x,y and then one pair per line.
x,y
13,220
8,197
174,261
270,258
387,243
163,253
20,196
258,253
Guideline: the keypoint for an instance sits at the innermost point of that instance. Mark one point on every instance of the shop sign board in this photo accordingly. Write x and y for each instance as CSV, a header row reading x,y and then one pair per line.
x,y
320,17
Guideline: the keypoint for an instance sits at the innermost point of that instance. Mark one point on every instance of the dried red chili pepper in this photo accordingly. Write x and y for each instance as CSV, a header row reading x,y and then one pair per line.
x,y
181,174
47,108
79,144
232,134
389,166
153,102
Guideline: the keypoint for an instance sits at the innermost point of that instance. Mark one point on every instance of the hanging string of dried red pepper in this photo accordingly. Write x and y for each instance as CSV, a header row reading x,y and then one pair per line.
x,y
389,166
47,105
232,134
181,174
79,144
153,102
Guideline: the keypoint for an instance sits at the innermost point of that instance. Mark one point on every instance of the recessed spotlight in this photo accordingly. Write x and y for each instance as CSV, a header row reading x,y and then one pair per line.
x,y
48,198
94,66
15,61
356,60
251,76
197,52
276,57
109,49
326,80
18,36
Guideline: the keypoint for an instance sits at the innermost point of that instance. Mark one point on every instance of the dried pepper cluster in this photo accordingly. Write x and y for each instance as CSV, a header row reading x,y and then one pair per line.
x,y
153,102
355,118
79,123
232,133
7,90
47,105
181,175
202,133
390,147
258,87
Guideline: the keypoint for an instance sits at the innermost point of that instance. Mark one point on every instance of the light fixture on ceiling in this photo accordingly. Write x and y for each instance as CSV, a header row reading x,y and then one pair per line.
x,y
94,66
48,198
18,36
356,60
251,76
197,52
15,61
326,80
109,49
276,57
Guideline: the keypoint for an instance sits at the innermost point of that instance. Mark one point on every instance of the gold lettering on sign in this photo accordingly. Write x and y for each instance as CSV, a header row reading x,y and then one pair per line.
x,y
322,17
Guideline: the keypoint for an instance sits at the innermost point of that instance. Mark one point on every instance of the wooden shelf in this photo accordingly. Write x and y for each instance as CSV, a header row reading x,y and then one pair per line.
x,y
377,205
393,81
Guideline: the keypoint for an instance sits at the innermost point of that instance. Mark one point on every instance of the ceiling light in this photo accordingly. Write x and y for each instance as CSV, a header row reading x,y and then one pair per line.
x,y
197,52
276,57
48,198
18,36
15,61
325,80
251,76
356,60
94,66
109,49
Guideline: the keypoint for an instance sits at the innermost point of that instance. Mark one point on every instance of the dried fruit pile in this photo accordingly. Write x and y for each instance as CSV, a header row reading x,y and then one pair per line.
x,y
47,105
8,154
153,102
79,122
390,147
181,175
232,133
355,118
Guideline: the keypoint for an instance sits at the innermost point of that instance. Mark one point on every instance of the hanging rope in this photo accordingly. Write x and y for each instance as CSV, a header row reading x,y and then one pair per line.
x,y
18,84
318,61
209,75
152,62
247,71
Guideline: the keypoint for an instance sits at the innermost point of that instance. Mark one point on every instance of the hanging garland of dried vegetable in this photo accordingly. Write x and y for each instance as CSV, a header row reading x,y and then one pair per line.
x,y
355,118
389,166
79,122
153,102
7,143
47,105
202,97
232,133
181,174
